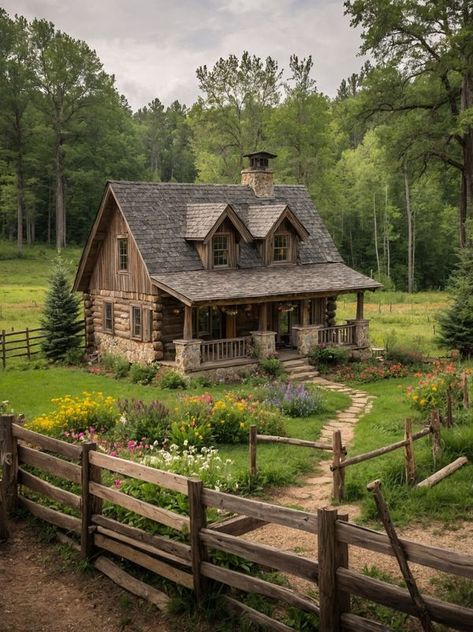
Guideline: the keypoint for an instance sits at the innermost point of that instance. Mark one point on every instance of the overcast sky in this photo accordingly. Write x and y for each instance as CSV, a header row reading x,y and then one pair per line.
x,y
154,46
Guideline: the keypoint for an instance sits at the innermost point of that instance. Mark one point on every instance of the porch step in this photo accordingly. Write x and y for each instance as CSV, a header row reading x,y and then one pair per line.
x,y
305,376
299,370
294,363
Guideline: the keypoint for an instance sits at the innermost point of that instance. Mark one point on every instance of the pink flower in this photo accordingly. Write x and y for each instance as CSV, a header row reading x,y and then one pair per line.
x,y
113,453
118,483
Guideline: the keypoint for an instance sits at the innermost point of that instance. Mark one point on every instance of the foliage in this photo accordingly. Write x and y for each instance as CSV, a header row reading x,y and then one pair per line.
x,y
271,366
456,323
142,373
60,317
295,400
404,355
430,392
91,410
365,372
172,380
117,365
322,356
142,420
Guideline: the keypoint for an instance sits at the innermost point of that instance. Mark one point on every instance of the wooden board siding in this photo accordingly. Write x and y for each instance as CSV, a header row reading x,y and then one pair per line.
x,y
172,324
106,276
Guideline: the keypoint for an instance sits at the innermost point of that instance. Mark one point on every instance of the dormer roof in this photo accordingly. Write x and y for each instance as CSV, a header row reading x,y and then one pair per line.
x,y
264,218
202,220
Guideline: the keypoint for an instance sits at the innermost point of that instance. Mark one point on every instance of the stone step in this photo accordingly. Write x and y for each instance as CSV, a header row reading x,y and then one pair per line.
x,y
303,368
301,377
289,364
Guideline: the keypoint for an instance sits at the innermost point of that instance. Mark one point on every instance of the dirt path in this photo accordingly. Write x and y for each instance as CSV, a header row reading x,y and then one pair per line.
x,y
43,590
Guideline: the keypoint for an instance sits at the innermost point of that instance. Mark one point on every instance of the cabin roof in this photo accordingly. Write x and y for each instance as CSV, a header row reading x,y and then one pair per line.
x,y
157,216
199,287
261,219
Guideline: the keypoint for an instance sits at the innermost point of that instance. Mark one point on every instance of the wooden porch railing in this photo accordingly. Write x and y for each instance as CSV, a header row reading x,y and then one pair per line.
x,y
338,335
224,349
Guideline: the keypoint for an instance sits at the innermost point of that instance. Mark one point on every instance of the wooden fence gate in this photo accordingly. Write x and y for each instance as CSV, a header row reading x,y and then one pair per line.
x,y
188,561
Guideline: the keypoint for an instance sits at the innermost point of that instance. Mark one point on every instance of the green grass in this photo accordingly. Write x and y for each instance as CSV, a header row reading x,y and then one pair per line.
x,y
448,501
24,281
407,320
29,392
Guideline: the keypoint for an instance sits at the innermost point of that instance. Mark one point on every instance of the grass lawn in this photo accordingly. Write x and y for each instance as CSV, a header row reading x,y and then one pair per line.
x,y
24,281
29,392
408,320
449,500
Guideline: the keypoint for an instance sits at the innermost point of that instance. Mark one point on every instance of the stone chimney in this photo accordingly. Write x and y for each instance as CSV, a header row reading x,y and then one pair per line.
x,y
258,176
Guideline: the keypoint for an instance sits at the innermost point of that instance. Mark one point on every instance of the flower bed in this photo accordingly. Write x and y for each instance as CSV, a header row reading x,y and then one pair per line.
x,y
431,391
365,372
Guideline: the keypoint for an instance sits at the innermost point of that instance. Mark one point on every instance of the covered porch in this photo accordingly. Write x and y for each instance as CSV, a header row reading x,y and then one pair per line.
x,y
232,334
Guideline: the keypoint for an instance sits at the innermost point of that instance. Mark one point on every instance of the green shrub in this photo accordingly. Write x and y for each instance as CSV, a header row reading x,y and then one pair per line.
x,y
271,366
142,420
328,356
172,380
117,365
142,373
192,432
74,357
404,355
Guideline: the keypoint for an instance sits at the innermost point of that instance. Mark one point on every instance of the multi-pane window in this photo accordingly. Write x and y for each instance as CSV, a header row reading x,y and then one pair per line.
x,y
108,316
281,247
122,254
220,251
136,322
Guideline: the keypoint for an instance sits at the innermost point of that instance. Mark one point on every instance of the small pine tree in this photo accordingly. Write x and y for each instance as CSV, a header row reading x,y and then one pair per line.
x,y
456,323
60,316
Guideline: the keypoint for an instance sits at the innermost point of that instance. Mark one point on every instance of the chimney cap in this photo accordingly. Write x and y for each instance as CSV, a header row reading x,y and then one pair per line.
x,y
263,154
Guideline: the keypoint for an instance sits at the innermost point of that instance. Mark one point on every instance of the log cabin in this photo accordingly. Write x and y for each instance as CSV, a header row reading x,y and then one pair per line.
x,y
205,276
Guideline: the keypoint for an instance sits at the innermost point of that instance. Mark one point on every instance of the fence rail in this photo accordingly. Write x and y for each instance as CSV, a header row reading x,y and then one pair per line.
x,y
27,342
225,349
189,563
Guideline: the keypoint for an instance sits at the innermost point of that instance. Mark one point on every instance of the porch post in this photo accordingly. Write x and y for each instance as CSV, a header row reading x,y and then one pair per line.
x,y
305,312
263,317
360,300
187,333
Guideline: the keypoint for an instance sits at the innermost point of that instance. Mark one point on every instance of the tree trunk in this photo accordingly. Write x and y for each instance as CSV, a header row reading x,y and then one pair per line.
x,y
60,207
410,235
375,230
20,203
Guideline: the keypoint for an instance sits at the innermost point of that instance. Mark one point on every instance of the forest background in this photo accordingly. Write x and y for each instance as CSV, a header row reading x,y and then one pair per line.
x,y
388,161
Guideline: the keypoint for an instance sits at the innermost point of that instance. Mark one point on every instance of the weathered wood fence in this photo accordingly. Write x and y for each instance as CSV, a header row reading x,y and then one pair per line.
x,y
190,563
20,344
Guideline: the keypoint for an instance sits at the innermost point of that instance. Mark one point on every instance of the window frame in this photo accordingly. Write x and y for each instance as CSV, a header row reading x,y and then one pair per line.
x,y
227,237
133,310
111,329
122,239
286,247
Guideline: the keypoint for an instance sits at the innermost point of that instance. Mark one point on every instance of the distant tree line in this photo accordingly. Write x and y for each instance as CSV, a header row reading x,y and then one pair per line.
x,y
388,161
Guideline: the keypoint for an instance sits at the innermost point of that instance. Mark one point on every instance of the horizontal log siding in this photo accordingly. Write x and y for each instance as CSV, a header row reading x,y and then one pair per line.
x,y
106,276
171,324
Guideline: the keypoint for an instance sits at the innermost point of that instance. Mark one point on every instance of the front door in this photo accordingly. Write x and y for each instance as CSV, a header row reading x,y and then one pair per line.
x,y
284,318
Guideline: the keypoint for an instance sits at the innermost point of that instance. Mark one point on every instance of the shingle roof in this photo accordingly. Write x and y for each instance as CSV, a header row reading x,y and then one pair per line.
x,y
201,218
202,286
262,217
156,214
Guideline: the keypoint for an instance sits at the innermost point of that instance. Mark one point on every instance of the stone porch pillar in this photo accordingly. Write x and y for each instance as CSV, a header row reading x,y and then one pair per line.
x,y
264,343
306,337
360,333
187,355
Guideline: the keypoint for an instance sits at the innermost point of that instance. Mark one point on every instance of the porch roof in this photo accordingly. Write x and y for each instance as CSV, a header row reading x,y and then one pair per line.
x,y
199,287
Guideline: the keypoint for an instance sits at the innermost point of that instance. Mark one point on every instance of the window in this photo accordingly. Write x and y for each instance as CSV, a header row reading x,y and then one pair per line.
x,y
122,254
281,248
108,317
220,251
136,324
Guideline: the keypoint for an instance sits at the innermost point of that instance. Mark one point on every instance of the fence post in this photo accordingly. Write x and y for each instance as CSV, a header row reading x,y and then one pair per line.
x,y
338,472
449,418
198,521
466,394
252,451
4,350
409,454
436,445
90,504
9,461
329,556
3,517
27,336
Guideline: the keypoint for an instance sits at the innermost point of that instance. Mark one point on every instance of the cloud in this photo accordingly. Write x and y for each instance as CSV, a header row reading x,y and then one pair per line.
x,y
153,47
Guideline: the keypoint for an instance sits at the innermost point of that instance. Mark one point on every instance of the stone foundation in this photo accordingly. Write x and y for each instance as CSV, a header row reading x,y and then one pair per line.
x,y
229,373
132,350
264,343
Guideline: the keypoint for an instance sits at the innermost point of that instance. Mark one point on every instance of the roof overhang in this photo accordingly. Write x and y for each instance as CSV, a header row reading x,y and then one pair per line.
x,y
224,287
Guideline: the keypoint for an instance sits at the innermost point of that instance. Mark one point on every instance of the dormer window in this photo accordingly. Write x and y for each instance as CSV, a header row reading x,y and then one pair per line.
x,y
122,254
281,247
220,250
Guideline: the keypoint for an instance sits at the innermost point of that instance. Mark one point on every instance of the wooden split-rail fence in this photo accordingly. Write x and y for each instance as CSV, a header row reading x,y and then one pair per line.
x,y
26,455
20,344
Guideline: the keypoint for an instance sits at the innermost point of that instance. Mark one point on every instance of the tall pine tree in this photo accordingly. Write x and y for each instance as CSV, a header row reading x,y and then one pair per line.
x,y
60,319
